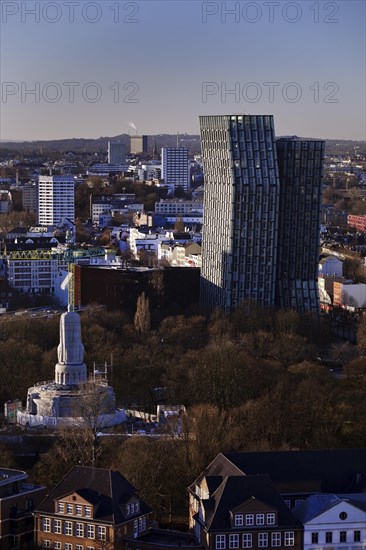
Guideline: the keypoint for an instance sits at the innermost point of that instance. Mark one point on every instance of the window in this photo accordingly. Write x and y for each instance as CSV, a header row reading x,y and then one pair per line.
x,y
68,528
87,511
78,510
102,532
357,536
343,536
298,501
46,544
136,506
259,519
29,504
247,540
328,537
239,520
90,532
68,546
60,507
249,519
57,526
271,519
314,538
46,527
220,542
69,509
128,509
132,507
233,541
289,538
79,529
262,540
288,503
343,516
276,539
79,547
57,545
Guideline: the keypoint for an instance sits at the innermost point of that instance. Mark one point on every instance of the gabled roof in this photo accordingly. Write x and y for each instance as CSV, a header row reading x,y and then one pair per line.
x,y
316,505
107,489
338,470
236,490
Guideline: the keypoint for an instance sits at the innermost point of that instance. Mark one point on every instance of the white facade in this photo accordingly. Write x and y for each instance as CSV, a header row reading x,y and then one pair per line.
x,y
353,295
333,522
331,266
56,199
175,166
178,206
34,274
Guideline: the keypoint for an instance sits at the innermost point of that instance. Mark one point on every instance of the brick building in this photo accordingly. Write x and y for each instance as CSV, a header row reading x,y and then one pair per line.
x,y
17,501
175,287
91,509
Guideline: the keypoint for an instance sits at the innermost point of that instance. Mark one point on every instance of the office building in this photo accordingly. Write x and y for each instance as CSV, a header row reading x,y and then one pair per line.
x,y
56,199
175,167
117,152
300,165
138,145
261,214
241,208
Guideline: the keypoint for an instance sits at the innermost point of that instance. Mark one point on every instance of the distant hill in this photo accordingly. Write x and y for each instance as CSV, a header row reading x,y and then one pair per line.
x,y
191,141
79,145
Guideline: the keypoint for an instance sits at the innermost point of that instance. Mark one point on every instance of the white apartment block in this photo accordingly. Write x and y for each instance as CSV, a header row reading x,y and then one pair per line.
x,y
56,199
35,272
175,166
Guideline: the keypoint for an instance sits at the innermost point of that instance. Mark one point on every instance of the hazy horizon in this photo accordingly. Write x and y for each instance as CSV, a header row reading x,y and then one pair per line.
x,y
91,68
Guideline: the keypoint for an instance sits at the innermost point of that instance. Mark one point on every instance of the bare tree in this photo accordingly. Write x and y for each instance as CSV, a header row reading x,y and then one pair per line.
x,y
142,318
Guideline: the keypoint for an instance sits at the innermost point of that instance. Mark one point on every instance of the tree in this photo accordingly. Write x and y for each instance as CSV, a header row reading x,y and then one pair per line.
x,y
142,319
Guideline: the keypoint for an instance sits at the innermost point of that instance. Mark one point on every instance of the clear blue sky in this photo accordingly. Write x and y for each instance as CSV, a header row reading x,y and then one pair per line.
x,y
171,50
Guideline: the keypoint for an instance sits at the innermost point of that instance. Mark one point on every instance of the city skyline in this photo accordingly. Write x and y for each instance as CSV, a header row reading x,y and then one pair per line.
x,y
303,62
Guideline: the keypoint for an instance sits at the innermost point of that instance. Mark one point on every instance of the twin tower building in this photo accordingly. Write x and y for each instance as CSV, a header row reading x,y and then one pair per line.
x,y
261,229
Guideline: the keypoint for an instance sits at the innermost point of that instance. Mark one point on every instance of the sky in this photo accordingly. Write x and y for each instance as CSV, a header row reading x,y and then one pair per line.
x,y
79,68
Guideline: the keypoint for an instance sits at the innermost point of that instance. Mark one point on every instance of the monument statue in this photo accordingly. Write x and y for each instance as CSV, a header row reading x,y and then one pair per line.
x,y
70,350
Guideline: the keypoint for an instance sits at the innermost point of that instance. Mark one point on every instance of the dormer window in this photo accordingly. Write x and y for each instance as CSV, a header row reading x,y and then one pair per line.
x,y
87,511
259,519
60,507
271,519
128,509
249,519
69,509
239,520
137,506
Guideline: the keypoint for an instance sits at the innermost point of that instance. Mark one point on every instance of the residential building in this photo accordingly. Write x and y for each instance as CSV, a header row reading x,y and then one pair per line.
x,y
29,197
349,295
18,498
90,508
138,145
5,202
300,164
241,210
333,521
330,266
56,199
117,152
175,167
357,222
231,510
102,205
261,214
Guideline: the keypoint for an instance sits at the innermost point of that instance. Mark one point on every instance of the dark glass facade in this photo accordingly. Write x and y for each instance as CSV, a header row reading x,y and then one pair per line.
x,y
301,168
261,214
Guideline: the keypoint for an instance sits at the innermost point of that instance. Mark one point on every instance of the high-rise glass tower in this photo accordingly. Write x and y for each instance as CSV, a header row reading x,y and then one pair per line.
x,y
301,169
261,214
241,210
